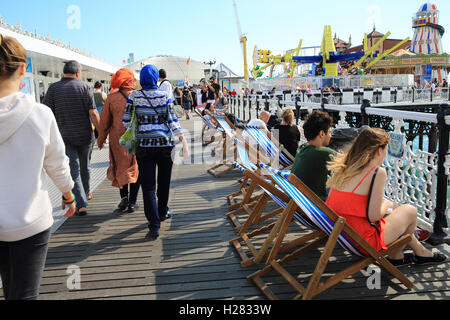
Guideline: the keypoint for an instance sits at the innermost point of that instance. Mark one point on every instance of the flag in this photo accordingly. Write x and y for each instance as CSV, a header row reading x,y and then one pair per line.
x,y
189,61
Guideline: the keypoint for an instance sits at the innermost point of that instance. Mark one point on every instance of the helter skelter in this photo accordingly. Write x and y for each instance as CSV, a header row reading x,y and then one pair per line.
x,y
428,32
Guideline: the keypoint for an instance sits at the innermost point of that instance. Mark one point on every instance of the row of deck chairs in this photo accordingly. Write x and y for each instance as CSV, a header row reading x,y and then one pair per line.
x,y
268,146
296,205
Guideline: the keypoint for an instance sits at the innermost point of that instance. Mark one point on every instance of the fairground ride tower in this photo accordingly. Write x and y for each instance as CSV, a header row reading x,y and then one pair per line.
x,y
428,32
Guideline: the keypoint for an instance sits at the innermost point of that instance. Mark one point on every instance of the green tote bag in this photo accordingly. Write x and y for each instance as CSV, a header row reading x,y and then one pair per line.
x,y
129,139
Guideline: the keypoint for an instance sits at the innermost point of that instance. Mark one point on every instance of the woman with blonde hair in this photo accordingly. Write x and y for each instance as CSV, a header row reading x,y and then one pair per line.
x,y
287,133
30,146
357,194
123,168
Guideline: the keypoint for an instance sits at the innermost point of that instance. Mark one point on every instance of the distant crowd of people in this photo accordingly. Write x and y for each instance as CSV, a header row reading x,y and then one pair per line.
x,y
206,92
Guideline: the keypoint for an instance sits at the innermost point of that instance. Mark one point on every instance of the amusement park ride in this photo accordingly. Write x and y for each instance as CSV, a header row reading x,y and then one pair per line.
x,y
328,58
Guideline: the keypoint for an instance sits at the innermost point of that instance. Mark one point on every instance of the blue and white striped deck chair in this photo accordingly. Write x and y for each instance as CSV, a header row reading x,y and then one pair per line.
x,y
243,163
209,127
227,146
225,126
267,145
256,216
336,230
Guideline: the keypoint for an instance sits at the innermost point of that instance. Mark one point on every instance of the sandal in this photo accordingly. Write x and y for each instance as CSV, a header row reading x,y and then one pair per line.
x,y
408,259
80,213
435,259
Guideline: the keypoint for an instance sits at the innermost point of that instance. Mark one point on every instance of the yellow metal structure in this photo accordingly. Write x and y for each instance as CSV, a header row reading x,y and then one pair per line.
x,y
368,52
244,44
327,47
386,53
270,61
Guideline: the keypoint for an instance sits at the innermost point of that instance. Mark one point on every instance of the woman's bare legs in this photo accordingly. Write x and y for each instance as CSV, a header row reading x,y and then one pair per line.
x,y
402,221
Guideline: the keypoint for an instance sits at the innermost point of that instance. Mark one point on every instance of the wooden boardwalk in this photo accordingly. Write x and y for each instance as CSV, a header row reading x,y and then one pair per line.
x,y
192,259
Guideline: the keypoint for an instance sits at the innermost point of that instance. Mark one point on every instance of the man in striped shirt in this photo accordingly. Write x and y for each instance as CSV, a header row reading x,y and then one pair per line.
x,y
72,102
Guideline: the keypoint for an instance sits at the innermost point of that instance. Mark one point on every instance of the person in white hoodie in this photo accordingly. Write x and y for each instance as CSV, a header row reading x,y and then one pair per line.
x,y
30,145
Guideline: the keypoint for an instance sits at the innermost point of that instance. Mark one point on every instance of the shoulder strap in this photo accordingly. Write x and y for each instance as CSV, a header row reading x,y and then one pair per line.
x,y
364,178
163,82
124,95
156,111
368,201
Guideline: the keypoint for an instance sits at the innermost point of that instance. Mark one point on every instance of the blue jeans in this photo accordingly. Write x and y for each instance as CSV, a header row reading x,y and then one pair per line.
x,y
148,160
21,266
80,170
99,109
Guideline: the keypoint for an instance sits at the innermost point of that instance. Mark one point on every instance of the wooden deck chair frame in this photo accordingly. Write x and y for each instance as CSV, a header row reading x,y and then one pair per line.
x,y
259,158
226,135
287,209
252,206
339,228
246,189
206,127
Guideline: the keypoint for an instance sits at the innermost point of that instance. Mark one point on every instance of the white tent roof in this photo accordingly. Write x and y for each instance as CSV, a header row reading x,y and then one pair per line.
x,y
177,68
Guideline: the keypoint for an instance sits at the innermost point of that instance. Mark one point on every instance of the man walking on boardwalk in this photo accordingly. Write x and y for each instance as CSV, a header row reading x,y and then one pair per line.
x,y
165,85
72,102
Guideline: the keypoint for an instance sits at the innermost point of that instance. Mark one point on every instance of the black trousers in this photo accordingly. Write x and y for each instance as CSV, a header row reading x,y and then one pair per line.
x,y
21,266
155,189
132,194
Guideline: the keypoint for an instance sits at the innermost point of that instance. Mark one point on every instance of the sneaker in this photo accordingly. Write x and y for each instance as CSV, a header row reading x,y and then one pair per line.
x,y
153,234
435,259
422,235
123,204
168,215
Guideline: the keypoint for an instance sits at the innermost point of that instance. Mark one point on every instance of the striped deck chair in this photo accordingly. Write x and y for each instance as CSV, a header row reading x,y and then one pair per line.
x,y
280,156
207,125
243,163
256,217
227,147
336,230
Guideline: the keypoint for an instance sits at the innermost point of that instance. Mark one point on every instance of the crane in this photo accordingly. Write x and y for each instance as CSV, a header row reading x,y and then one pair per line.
x,y
242,40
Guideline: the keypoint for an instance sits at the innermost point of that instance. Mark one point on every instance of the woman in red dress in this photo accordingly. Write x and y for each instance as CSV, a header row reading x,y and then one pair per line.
x,y
379,222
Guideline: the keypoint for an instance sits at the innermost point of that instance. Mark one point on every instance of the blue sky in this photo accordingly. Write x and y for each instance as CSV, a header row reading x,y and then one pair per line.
x,y
207,29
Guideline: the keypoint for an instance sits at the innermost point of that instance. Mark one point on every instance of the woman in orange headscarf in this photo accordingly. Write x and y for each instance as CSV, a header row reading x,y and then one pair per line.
x,y
123,169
